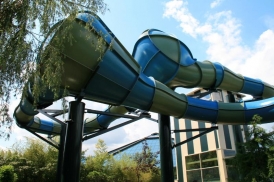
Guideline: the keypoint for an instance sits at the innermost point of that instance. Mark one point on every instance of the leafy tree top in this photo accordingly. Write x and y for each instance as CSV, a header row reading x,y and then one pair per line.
x,y
24,24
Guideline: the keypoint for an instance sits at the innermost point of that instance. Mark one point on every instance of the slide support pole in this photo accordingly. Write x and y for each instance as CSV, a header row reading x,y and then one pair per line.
x,y
166,160
73,144
61,153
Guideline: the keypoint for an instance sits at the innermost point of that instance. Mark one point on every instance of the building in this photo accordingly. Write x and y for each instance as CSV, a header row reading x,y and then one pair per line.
x,y
206,158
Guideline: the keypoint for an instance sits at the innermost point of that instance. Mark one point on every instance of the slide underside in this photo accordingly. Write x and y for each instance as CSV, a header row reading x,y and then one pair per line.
x,y
144,80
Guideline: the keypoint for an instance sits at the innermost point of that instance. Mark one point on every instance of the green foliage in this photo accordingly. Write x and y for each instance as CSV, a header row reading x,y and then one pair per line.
x,y
102,167
254,159
98,167
32,161
146,162
24,25
121,168
7,174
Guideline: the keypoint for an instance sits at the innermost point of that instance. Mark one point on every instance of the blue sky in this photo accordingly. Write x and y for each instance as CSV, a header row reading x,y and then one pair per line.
x,y
238,34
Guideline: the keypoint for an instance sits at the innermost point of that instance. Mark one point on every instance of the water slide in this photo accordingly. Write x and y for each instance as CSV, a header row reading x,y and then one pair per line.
x,y
144,80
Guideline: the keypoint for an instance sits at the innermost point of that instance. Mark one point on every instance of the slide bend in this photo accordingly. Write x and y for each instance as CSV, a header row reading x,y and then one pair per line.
x,y
145,79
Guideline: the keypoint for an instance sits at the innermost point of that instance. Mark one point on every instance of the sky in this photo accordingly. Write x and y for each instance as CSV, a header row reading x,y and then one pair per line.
x,y
237,34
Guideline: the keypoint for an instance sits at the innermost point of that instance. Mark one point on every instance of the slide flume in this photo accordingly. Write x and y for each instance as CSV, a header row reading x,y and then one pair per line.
x,y
144,80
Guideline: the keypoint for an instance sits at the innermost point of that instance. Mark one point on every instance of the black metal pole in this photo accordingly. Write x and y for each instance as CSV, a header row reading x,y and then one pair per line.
x,y
73,144
165,149
61,153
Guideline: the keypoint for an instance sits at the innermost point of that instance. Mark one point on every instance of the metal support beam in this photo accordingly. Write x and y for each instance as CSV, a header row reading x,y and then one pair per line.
x,y
42,138
195,129
73,143
134,118
196,136
166,158
56,113
113,114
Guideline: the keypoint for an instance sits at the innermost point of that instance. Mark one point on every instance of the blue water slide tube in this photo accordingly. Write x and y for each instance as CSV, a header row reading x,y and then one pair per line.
x,y
145,80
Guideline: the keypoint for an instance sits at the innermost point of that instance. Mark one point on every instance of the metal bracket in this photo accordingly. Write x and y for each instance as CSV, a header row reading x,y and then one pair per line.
x,y
69,121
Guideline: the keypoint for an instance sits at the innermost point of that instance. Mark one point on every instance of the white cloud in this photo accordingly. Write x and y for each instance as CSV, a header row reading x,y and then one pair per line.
x,y
215,3
90,145
178,10
260,63
140,129
222,33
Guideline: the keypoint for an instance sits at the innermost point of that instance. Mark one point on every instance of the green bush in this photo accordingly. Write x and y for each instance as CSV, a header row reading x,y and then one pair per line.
x,y
7,174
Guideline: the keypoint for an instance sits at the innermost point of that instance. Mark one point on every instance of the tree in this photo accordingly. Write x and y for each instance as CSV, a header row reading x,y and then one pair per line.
x,y
146,162
24,24
98,167
254,159
122,163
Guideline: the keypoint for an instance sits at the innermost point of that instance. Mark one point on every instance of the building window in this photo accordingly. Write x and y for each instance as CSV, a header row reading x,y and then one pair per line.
x,y
193,162
209,159
211,174
202,167
194,175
